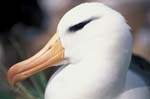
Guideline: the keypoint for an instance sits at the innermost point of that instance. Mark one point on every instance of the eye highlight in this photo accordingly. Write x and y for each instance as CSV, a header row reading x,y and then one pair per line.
x,y
80,25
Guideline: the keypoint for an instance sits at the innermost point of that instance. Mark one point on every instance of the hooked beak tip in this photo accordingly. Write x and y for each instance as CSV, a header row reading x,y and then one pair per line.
x,y
51,54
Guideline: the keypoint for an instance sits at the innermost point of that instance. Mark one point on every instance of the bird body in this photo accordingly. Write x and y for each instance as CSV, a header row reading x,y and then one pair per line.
x,y
103,72
99,55
97,48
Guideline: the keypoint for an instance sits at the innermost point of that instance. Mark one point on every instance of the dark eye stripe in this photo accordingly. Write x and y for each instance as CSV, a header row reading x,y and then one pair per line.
x,y
80,25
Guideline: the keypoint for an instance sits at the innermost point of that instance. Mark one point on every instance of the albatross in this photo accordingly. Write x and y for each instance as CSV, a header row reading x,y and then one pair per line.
x,y
93,44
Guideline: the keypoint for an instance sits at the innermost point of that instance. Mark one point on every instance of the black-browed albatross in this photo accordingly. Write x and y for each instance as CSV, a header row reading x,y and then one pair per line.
x,y
94,44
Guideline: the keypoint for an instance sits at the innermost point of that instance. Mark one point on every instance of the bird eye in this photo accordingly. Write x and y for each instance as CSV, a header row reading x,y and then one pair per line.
x,y
80,25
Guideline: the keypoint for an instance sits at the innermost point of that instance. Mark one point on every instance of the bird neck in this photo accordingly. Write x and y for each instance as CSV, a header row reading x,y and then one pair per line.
x,y
106,64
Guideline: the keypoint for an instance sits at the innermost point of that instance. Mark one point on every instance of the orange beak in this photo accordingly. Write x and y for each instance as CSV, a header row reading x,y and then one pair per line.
x,y
51,54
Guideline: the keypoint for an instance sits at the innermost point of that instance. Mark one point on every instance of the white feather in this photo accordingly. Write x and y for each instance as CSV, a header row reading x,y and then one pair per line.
x,y
99,55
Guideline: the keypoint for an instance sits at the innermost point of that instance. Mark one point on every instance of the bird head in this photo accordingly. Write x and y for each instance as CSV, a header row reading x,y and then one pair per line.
x,y
83,31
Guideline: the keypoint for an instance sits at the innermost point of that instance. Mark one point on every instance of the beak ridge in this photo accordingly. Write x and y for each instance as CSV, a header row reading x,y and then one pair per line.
x,y
49,55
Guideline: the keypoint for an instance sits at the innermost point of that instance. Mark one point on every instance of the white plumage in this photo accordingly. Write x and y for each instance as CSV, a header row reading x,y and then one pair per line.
x,y
97,55
94,45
